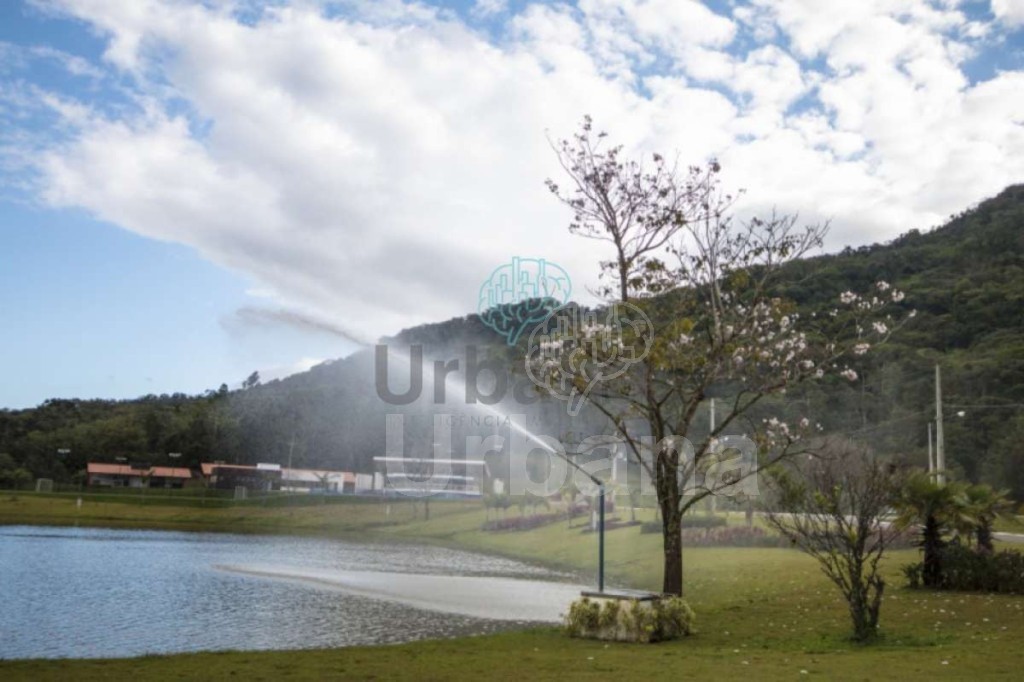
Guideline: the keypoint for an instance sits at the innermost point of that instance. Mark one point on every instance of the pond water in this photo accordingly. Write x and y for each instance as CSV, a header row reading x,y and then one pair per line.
x,y
87,592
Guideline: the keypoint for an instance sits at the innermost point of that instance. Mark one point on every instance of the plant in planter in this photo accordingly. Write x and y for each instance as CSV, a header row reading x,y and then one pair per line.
x,y
630,620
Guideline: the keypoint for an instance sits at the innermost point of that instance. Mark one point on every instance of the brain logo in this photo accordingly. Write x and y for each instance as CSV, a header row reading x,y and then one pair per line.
x,y
572,350
520,294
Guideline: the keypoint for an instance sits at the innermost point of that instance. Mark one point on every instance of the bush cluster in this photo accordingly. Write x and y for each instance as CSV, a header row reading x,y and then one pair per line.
x,y
969,570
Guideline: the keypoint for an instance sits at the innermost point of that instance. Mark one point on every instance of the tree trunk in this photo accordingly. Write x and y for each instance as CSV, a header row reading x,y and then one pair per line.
x,y
984,533
932,544
673,544
669,497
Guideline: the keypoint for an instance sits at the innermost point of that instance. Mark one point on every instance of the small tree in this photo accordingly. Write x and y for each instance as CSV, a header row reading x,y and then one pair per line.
x,y
831,508
985,505
251,381
935,508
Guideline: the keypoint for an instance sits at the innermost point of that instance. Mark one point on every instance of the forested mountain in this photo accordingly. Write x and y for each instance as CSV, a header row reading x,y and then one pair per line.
x,y
965,280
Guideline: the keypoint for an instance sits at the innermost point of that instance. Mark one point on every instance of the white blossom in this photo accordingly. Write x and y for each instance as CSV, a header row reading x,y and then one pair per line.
x,y
880,327
861,348
848,374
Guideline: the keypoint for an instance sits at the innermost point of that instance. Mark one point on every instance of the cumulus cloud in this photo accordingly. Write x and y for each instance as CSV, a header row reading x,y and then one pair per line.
x,y
372,166
1010,12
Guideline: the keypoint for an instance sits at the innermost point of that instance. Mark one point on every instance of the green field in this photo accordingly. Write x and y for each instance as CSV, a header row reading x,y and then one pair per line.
x,y
762,613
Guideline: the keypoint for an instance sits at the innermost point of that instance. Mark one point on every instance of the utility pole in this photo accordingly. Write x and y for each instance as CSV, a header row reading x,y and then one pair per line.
x,y
940,443
931,460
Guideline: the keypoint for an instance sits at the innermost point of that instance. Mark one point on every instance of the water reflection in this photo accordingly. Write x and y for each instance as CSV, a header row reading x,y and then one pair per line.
x,y
70,592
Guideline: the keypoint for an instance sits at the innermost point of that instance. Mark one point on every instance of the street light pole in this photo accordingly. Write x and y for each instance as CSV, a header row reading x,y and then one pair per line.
x,y
600,540
600,519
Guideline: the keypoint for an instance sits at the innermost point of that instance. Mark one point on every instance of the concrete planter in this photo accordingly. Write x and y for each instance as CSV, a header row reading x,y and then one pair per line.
x,y
629,616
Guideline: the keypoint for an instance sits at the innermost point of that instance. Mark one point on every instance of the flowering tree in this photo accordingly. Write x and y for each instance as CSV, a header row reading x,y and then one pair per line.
x,y
707,284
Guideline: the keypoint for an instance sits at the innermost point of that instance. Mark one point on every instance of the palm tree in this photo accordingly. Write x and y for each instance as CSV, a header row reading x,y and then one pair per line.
x,y
937,508
985,504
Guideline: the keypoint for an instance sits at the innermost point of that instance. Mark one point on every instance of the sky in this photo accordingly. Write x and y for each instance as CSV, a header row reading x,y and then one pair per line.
x,y
192,190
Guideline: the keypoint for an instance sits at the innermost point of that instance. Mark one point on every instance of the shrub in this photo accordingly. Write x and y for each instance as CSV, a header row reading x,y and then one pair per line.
x,y
584,617
967,570
704,521
914,574
650,527
660,620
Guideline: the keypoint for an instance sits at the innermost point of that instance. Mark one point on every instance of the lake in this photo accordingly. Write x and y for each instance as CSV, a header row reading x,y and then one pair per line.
x,y
89,592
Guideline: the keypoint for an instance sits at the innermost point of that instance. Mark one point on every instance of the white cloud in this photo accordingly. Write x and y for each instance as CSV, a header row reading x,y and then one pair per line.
x,y
1010,12
372,168
488,8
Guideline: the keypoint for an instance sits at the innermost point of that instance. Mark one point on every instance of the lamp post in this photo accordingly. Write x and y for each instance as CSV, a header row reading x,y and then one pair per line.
x,y
600,520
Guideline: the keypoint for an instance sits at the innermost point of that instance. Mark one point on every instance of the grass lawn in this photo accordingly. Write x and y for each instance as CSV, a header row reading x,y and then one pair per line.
x,y
762,613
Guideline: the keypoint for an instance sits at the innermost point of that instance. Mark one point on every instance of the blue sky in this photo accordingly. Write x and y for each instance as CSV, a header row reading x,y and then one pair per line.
x,y
166,165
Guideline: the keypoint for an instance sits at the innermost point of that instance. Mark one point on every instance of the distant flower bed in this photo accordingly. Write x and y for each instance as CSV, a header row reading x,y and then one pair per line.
x,y
521,522
712,531
689,521
731,536
894,539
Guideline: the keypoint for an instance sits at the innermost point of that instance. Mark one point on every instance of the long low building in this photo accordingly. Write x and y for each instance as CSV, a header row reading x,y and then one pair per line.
x,y
276,477
135,476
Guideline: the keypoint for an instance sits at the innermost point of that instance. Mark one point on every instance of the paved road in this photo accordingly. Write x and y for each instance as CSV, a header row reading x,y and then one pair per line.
x,y
1015,538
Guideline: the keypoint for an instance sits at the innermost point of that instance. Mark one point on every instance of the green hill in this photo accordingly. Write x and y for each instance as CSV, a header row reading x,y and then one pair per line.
x,y
965,279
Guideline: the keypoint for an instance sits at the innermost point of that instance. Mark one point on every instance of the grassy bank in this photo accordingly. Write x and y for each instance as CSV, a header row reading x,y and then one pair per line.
x,y
546,655
767,613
